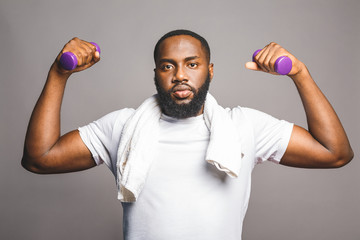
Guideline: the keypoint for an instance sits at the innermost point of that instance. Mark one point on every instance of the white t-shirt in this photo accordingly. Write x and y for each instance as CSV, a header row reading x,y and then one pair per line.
x,y
185,197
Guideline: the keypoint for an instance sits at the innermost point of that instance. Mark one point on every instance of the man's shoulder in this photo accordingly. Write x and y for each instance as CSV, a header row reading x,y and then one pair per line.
x,y
121,113
116,117
240,112
250,117
248,112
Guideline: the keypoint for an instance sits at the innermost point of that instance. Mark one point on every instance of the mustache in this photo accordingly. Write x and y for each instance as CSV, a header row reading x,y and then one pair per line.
x,y
182,86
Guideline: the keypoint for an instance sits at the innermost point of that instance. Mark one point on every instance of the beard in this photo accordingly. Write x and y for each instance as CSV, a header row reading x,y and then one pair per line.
x,y
185,110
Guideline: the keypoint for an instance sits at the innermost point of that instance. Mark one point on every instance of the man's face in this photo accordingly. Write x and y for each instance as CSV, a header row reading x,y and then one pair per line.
x,y
182,76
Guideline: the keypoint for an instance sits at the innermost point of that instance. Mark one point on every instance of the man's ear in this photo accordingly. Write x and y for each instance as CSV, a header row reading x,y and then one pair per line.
x,y
211,70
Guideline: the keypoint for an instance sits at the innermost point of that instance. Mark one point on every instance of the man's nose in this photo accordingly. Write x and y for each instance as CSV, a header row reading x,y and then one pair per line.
x,y
180,75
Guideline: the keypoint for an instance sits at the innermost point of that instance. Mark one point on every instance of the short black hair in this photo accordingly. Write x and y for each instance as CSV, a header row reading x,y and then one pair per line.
x,y
178,32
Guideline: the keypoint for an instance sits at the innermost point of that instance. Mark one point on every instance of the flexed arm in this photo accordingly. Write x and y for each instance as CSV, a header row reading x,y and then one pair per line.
x,y
45,151
325,144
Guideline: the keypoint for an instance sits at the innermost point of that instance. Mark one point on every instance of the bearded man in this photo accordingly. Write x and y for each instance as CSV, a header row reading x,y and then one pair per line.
x,y
183,163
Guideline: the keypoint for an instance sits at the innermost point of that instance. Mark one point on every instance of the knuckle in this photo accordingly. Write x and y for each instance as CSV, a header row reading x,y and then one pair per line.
x,y
89,51
79,55
73,40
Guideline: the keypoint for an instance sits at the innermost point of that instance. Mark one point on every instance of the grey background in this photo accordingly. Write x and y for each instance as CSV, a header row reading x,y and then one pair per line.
x,y
286,203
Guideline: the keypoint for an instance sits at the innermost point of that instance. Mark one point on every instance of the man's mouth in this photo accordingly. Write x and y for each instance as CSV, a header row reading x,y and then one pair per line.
x,y
182,91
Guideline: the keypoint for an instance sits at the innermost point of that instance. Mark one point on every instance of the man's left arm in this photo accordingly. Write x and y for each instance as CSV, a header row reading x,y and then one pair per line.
x,y
324,144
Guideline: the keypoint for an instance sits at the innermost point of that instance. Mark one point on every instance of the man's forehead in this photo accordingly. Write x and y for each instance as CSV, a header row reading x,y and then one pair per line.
x,y
181,45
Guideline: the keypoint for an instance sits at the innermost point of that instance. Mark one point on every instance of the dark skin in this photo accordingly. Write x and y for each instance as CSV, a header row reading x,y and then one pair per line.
x,y
181,58
45,151
325,144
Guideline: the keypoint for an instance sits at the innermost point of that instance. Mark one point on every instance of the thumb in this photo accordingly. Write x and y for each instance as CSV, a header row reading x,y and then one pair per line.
x,y
97,56
252,66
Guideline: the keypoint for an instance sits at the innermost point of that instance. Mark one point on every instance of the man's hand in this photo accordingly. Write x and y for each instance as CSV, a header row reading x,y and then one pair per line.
x,y
266,58
85,53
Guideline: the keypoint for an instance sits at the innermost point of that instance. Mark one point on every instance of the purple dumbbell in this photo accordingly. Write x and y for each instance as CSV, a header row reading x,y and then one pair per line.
x,y
69,61
283,64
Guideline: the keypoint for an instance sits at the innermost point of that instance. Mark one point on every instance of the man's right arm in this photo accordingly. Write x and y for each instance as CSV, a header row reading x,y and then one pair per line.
x,y
45,151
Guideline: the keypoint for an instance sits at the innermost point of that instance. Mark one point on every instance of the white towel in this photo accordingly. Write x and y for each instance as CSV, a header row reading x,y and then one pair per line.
x,y
140,136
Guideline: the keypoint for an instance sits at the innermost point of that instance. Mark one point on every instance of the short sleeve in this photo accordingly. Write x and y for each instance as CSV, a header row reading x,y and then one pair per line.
x,y
271,135
102,136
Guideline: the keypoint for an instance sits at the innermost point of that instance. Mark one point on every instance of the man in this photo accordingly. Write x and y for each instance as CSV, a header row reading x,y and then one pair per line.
x,y
157,152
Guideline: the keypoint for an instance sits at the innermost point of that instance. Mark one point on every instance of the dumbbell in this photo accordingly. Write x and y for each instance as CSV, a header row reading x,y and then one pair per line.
x,y
282,66
68,60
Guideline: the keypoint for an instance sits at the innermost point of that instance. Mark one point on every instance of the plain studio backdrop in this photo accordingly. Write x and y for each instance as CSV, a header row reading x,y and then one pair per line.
x,y
286,203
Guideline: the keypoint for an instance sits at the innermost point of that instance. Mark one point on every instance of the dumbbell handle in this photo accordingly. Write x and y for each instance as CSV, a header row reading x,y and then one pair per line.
x,y
68,60
282,66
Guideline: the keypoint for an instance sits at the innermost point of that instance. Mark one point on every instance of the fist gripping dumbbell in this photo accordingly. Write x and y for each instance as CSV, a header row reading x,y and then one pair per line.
x,y
282,66
69,61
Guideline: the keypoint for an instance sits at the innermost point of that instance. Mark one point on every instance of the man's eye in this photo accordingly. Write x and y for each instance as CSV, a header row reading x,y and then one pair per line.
x,y
167,67
193,65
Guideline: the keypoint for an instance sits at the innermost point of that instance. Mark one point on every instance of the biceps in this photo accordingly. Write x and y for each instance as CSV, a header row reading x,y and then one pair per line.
x,y
69,154
306,152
